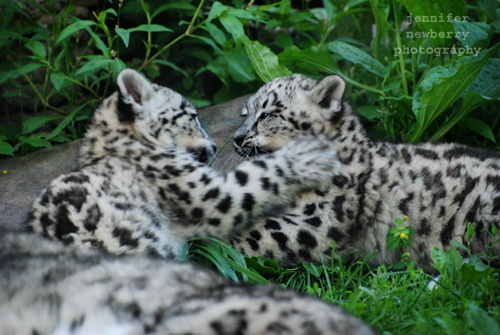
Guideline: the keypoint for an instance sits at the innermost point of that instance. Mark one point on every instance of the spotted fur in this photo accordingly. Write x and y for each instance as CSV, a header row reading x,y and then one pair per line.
x,y
440,187
49,288
142,188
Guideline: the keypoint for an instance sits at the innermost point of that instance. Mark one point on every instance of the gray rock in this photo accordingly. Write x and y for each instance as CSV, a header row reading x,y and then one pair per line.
x,y
23,178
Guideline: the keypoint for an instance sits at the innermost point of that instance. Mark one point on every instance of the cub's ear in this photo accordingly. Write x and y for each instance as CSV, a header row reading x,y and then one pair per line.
x,y
133,90
329,89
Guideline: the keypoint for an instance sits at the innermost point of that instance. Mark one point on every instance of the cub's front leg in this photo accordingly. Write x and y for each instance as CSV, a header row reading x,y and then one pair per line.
x,y
206,203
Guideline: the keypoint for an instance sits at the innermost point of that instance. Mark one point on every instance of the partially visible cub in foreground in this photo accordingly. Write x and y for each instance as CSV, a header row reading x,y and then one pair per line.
x,y
440,187
49,288
141,189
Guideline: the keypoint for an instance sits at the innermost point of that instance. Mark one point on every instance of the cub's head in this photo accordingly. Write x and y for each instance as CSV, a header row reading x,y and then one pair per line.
x,y
288,107
146,114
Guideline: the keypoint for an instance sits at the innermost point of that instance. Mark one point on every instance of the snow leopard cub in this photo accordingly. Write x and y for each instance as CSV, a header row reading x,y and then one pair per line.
x,y
142,186
50,288
440,187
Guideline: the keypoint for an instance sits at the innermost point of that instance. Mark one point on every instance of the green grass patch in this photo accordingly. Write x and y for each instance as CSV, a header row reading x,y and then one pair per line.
x,y
465,299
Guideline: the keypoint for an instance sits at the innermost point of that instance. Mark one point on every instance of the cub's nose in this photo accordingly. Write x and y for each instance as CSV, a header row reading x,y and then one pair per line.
x,y
238,140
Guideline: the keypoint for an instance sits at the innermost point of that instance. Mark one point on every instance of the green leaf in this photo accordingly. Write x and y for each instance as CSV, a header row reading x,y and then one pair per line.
x,y
443,86
180,5
239,67
264,61
283,40
232,26
313,269
471,33
104,13
171,65
209,42
392,241
263,265
242,14
95,64
117,66
58,80
64,123
459,245
399,266
37,122
124,35
219,262
7,35
216,33
424,10
487,82
6,148
73,28
35,142
494,229
98,42
471,101
38,48
447,262
13,74
381,15
480,127
251,274
9,131
216,9
470,231
218,67
485,88
480,321
406,242
316,59
357,56
149,28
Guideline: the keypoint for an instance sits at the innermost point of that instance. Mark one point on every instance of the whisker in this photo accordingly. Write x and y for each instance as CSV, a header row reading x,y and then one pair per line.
x,y
229,158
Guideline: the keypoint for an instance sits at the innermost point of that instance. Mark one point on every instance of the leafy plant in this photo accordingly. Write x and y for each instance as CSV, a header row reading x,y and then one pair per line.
x,y
466,301
407,83
399,238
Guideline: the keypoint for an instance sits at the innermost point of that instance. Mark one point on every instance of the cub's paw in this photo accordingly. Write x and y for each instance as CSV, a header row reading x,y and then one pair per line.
x,y
312,161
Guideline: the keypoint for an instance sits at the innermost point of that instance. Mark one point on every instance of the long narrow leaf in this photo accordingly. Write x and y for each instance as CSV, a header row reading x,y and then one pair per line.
x,y
264,61
443,86
65,122
38,122
357,56
73,28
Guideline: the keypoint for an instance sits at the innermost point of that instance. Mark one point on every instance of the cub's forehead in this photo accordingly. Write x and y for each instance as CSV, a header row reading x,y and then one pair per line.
x,y
282,89
173,100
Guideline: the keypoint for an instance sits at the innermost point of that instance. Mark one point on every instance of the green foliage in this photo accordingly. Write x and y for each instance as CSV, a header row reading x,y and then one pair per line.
x,y
399,238
428,80
465,301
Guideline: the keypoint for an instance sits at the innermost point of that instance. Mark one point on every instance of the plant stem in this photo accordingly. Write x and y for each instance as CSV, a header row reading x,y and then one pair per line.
x,y
37,92
398,41
325,35
148,44
362,86
82,85
190,29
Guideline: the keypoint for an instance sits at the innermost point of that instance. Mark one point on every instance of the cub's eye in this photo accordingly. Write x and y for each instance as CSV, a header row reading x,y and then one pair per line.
x,y
263,116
